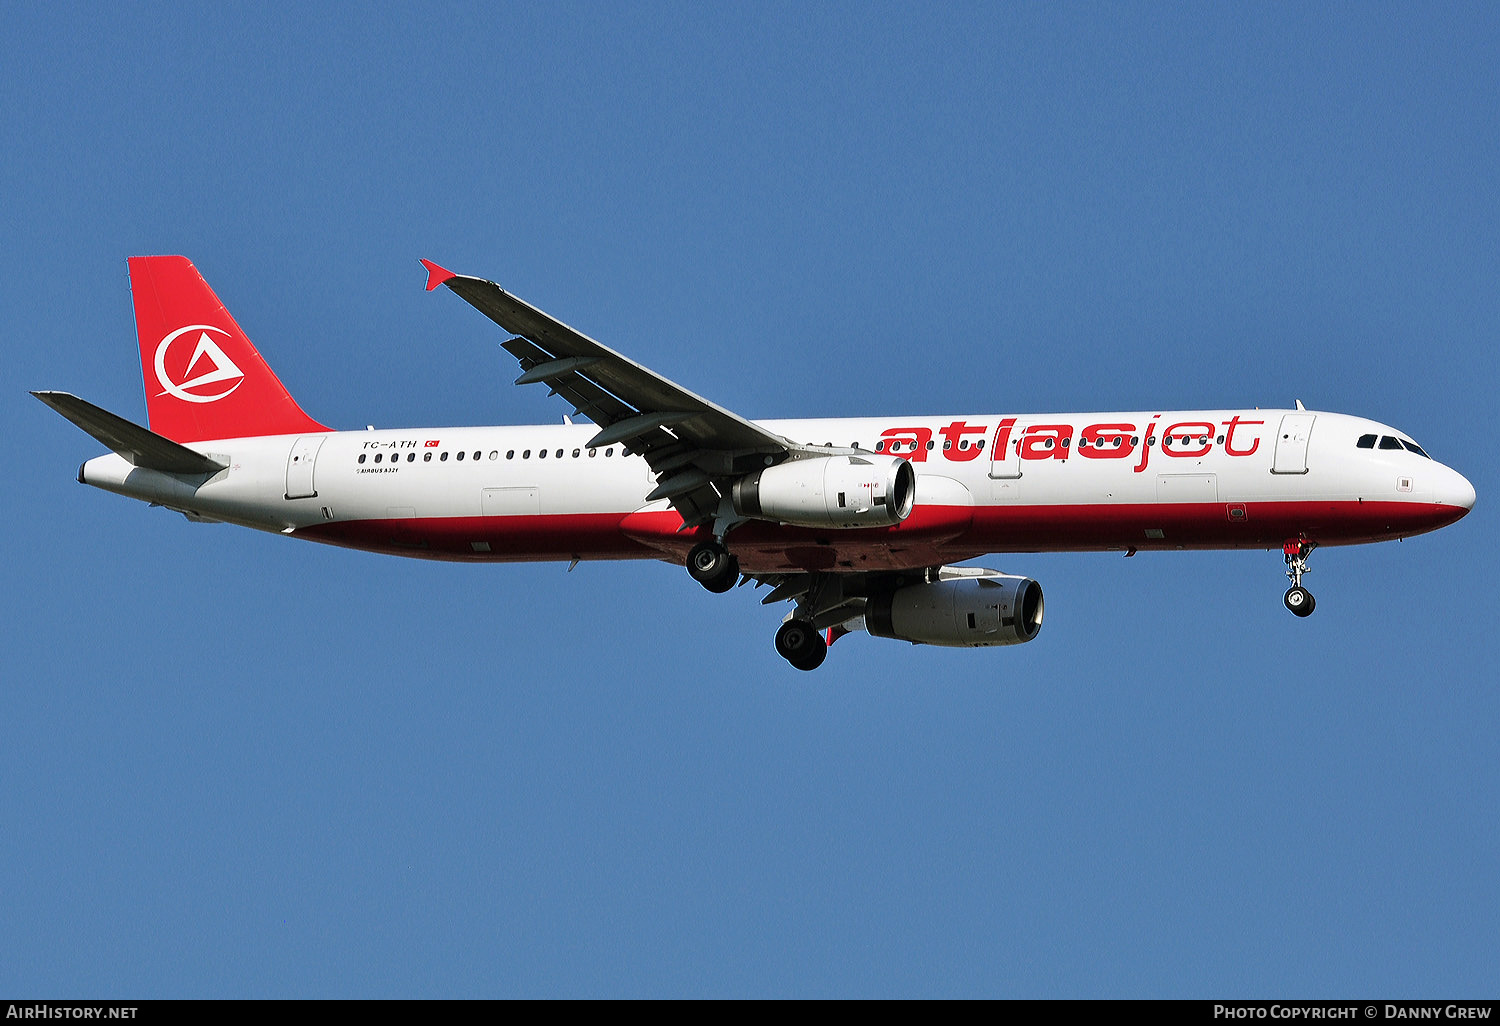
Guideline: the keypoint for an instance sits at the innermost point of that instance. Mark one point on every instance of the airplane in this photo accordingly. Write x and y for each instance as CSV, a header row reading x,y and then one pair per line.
x,y
858,522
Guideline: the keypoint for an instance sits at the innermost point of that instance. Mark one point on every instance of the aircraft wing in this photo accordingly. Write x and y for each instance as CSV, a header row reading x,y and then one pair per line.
x,y
690,443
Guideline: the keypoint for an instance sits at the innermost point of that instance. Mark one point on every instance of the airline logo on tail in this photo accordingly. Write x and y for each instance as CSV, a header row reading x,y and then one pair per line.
x,y
222,368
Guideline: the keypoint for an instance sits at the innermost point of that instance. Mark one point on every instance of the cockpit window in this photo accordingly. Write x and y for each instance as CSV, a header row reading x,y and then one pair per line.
x,y
1414,447
1366,442
1387,442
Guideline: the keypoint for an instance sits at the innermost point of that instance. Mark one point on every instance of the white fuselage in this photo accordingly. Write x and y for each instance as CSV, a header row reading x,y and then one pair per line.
x,y
1198,479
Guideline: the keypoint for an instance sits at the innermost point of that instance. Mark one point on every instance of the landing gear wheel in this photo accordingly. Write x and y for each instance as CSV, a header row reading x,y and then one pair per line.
x,y
1299,600
801,644
1296,550
713,566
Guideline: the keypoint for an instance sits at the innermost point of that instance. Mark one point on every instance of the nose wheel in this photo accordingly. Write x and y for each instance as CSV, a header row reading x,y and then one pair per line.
x,y
1297,598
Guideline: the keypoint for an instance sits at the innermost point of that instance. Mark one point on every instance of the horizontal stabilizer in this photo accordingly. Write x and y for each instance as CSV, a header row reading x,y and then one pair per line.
x,y
140,447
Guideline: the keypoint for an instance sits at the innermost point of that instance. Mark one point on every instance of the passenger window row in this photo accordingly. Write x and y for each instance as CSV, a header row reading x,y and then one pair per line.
x,y
1371,441
541,454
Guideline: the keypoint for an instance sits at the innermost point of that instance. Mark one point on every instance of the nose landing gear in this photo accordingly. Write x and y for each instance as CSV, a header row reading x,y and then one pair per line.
x,y
1298,599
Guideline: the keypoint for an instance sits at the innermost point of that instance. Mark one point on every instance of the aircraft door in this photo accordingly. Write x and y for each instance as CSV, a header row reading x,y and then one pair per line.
x,y
1005,461
1005,467
299,467
1291,443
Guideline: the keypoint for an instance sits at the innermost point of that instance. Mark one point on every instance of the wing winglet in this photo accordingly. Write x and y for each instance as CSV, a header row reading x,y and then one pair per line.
x,y
436,275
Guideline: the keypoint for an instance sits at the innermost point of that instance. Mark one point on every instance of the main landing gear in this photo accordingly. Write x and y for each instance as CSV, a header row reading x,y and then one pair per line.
x,y
1298,599
713,566
801,644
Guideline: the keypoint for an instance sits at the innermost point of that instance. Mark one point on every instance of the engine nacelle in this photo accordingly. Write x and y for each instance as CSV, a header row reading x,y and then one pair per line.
x,y
968,612
830,491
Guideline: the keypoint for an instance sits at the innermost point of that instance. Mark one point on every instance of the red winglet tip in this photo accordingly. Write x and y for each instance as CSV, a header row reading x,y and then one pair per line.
x,y
436,275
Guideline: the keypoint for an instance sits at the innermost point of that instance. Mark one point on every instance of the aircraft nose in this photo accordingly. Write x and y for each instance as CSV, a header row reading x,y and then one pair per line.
x,y
1457,491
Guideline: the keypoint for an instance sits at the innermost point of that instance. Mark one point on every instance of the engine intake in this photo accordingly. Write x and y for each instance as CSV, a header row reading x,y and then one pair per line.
x,y
830,491
969,612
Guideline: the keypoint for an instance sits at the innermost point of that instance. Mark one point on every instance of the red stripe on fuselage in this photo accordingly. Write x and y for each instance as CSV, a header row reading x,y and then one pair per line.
x,y
939,534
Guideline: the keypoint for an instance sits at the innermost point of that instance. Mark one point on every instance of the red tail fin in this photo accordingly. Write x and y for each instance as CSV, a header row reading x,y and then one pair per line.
x,y
204,378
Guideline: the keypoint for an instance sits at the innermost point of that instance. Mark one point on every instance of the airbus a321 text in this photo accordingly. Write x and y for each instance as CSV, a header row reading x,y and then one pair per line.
x,y
857,522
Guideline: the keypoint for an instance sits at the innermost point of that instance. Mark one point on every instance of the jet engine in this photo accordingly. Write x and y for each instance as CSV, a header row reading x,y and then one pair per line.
x,y
830,491
975,610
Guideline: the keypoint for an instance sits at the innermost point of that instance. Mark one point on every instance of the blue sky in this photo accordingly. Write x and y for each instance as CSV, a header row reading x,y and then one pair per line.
x,y
237,765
